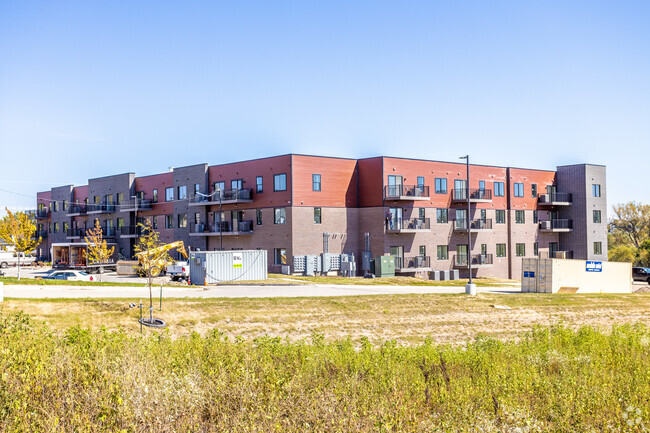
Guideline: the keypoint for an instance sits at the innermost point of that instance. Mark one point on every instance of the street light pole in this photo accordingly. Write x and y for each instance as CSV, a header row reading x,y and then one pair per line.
x,y
470,288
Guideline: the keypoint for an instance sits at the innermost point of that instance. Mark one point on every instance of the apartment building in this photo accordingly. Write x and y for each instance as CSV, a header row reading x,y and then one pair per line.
x,y
291,205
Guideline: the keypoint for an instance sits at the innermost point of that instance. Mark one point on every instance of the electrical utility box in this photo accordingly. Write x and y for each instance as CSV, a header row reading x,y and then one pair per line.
x,y
214,267
385,266
541,275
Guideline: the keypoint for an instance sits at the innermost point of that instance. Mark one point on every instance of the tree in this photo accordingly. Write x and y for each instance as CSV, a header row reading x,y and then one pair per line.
x,y
152,258
631,223
17,230
98,251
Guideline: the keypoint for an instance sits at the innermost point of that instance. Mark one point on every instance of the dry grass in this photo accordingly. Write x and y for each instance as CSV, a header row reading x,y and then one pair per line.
x,y
408,319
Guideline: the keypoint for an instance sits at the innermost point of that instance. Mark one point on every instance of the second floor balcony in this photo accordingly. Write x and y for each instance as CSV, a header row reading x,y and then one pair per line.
x,y
42,213
476,225
555,199
136,205
130,231
98,208
224,196
412,264
556,225
413,225
77,210
75,233
477,260
40,234
223,228
406,192
479,195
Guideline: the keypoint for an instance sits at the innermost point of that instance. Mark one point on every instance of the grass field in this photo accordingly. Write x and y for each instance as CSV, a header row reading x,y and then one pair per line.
x,y
407,319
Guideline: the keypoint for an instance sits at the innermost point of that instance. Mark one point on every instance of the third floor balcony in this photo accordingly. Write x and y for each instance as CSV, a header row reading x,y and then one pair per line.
x,y
555,199
136,205
98,208
224,196
556,225
77,210
406,192
412,264
402,225
42,213
478,260
476,225
479,195
223,228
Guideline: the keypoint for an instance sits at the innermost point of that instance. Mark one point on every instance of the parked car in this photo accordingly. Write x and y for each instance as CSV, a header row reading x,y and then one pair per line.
x,y
641,274
69,276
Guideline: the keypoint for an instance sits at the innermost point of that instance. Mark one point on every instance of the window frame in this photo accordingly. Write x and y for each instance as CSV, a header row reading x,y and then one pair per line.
x,y
501,250
318,215
499,189
439,183
442,252
600,219
316,182
438,214
259,184
169,194
521,213
278,214
501,212
280,177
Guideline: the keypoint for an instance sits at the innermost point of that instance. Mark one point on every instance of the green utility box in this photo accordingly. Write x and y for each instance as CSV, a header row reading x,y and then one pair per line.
x,y
385,266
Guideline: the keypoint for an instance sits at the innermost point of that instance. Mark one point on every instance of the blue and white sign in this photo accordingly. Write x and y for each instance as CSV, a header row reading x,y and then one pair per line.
x,y
529,274
593,266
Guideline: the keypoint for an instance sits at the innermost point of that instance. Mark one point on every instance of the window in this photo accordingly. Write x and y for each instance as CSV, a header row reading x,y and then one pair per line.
x,y
595,190
280,182
280,256
441,185
598,248
535,217
237,184
56,227
553,247
155,196
65,205
536,249
442,252
49,227
65,227
499,190
501,250
154,222
423,251
280,216
120,198
442,216
182,192
315,182
56,206
259,186
421,182
520,217
421,213
317,215
120,223
197,189
533,190
169,194
500,216
169,221
259,217
97,199
519,189
520,250
182,220
597,216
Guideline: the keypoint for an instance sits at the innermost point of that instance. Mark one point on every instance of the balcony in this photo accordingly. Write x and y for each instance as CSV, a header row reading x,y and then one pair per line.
x,y
77,210
414,225
42,213
97,208
136,205
412,264
224,228
475,195
130,231
478,261
75,233
475,226
224,196
40,234
406,192
108,232
556,226
555,199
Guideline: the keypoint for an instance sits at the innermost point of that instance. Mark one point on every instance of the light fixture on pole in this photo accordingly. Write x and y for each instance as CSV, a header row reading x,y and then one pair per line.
x,y
470,288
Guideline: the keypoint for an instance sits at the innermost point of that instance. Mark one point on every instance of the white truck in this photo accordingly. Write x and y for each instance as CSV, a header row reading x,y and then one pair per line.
x,y
8,258
178,271
73,255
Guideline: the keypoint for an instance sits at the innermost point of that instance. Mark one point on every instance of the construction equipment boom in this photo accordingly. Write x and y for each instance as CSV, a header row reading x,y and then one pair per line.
x,y
156,257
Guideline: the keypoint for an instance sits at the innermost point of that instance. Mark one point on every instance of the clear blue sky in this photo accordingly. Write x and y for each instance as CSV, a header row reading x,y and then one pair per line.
x,y
89,89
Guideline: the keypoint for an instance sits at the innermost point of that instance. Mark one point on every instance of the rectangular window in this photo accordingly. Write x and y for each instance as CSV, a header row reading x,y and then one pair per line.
x,y
154,222
519,190
108,199
553,247
65,227
520,217
315,182
97,199
120,198
169,194
442,216
442,252
182,220
499,190
421,213
280,256
535,249
259,217
595,190
597,216
421,182
219,186
56,227
280,216
441,185
155,196
423,251
501,250
65,205
317,215
520,250
120,223
197,189
280,182
182,192
535,217
598,248
533,190
237,184
56,206
500,216
259,185
169,221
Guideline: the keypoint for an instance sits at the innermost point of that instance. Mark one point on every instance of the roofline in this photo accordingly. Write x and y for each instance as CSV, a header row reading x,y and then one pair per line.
x,y
459,163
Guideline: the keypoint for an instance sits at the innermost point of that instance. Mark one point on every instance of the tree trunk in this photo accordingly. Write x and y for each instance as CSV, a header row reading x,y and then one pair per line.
x,y
18,266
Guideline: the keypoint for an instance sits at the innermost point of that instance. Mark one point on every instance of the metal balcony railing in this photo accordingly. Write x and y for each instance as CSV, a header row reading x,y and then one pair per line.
x,y
400,224
223,196
416,262
42,213
100,208
406,192
40,234
108,232
136,205
224,227
555,197
131,231
479,224
559,224
76,233
477,260
474,194
77,210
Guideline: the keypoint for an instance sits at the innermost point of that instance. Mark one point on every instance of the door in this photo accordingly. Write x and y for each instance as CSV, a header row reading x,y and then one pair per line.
x,y
481,189
551,190
461,254
395,222
398,253
461,219
394,186
460,189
